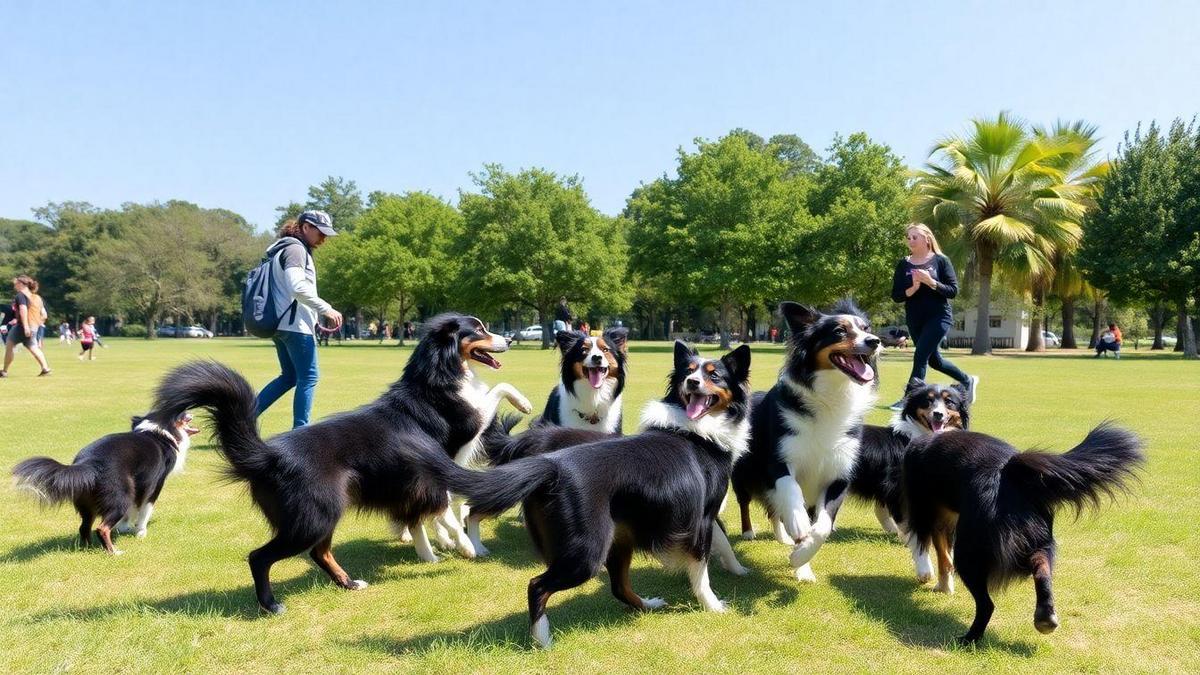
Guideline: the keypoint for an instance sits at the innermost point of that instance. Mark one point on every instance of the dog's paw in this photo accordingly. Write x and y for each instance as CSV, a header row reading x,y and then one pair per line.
x,y
275,608
805,574
796,524
1045,621
522,404
715,605
924,568
748,535
947,587
804,551
653,603
736,569
480,551
405,536
117,551
140,534
357,585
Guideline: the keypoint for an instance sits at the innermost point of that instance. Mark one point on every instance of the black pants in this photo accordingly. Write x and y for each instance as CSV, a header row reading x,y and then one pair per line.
x,y
926,336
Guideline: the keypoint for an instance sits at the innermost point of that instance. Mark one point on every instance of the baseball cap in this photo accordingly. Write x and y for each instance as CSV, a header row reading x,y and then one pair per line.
x,y
319,220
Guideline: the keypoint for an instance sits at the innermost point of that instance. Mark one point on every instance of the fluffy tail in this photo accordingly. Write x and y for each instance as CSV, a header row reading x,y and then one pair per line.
x,y
1105,463
496,438
54,482
228,398
493,491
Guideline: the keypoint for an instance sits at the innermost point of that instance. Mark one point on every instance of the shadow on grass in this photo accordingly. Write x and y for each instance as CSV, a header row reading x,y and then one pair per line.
x,y
867,535
891,601
596,610
47,546
362,559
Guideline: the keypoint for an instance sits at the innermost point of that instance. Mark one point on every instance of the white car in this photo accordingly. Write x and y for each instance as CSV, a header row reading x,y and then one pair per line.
x,y
1051,339
530,333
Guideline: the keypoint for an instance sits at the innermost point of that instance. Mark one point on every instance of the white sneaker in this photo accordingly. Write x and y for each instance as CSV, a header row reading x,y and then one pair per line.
x,y
974,388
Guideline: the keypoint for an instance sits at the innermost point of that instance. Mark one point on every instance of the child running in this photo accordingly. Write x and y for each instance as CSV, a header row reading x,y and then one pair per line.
x,y
87,338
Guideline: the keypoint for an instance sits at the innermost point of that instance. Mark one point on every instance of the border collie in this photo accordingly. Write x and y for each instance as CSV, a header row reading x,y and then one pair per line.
x,y
591,380
303,480
658,491
995,506
805,430
117,478
928,409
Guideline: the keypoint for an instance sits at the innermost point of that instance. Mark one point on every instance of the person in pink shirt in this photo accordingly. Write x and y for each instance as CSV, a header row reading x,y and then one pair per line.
x,y
87,338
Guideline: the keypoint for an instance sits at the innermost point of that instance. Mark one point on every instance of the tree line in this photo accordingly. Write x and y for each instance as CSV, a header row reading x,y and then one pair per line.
x,y
1028,212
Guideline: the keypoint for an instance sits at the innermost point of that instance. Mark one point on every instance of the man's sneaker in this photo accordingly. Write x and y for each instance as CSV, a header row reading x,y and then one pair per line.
x,y
897,406
973,388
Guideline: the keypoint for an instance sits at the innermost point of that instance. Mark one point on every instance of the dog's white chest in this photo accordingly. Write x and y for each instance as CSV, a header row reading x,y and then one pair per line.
x,y
588,403
817,449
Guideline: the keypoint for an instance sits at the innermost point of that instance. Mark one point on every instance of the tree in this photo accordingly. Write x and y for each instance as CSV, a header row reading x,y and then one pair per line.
x,y
990,190
398,255
533,237
1143,243
797,156
719,233
20,243
338,197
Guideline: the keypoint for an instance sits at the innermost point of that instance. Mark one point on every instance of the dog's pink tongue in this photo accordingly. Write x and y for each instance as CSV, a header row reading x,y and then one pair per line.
x,y
696,406
862,369
596,377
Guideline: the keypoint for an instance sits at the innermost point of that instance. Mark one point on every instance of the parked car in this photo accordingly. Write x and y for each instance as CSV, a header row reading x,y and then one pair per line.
x,y
165,331
183,332
531,333
1051,339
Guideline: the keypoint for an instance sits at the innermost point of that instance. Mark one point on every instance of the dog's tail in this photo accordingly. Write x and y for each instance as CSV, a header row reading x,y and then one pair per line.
x,y
228,398
1105,463
53,482
494,491
496,438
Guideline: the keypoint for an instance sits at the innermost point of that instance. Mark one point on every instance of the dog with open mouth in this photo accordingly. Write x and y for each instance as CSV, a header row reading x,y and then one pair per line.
x,y
657,491
591,381
805,431
117,478
370,458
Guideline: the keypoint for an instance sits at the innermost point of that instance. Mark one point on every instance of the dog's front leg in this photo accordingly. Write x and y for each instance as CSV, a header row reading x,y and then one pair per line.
x,y
787,500
822,527
505,390
449,521
724,551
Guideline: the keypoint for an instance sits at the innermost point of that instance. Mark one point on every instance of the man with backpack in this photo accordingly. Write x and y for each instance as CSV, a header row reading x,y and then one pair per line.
x,y
281,302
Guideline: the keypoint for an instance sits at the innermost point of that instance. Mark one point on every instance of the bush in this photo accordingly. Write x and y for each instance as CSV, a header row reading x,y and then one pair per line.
x,y
134,330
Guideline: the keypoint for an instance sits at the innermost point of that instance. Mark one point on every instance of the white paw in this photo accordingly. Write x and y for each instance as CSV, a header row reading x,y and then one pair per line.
x,y
890,526
924,569
736,568
117,551
141,534
541,633
357,585
796,524
521,403
748,534
945,586
714,605
805,574
406,537
804,551
653,603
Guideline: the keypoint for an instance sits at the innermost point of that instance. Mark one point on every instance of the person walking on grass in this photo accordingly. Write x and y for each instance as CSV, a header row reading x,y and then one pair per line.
x,y
87,339
64,333
24,326
925,282
301,309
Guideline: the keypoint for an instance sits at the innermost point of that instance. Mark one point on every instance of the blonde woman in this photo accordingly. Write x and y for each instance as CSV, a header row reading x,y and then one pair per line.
x,y
925,282
24,331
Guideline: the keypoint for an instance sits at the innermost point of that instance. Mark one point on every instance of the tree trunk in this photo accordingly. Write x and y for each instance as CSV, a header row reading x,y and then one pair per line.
x,y
750,334
1186,336
726,310
983,339
1068,318
1037,341
149,327
1158,317
547,328
1181,325
1098,310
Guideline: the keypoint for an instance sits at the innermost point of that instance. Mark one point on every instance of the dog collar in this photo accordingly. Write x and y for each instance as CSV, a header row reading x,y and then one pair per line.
x,y
594,418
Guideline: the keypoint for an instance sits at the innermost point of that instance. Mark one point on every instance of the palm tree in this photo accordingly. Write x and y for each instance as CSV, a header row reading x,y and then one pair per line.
x,y
1001,185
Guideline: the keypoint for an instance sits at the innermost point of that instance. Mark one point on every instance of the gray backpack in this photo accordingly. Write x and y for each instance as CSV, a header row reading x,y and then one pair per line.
x,y
260,311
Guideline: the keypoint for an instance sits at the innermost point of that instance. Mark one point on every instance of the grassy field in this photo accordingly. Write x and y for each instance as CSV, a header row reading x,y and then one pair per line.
x,y
1127,589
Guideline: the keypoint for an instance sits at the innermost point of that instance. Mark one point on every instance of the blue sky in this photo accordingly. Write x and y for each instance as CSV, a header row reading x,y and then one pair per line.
x,y
243,107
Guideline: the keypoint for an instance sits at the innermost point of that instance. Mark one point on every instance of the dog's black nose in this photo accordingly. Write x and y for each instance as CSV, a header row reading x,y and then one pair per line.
x,y
692,385
873,342
937,416
597,359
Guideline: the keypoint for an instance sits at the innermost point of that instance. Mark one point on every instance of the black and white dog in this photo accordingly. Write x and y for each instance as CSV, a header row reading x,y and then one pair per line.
x,y
805,431
591,381
370,458
658,491
995,508
117,479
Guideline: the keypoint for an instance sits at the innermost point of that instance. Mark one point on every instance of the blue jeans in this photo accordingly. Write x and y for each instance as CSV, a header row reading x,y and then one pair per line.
x,y
927,335
298,368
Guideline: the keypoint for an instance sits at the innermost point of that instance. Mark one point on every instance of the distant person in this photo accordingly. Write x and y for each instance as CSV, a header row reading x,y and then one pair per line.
x,y
410,331
562,316
295,341
87,339
925,282
1110,341
64,333
23,329
41,331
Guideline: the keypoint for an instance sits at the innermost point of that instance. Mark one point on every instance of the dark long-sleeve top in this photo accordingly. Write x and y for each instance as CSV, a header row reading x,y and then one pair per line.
x,y
927,303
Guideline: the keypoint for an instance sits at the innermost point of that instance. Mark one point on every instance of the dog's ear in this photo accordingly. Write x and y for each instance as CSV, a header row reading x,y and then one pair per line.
x,y
618,338
964,403
134,421
443,326
913,385
737,362
566,340
683,355
798,316
847,306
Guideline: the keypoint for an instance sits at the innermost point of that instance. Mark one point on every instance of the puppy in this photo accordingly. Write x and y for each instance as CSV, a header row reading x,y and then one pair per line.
x,y
995,507
117,478
658,491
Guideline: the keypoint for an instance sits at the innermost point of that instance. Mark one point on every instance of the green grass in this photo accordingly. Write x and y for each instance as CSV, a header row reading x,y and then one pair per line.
x,y
1127,589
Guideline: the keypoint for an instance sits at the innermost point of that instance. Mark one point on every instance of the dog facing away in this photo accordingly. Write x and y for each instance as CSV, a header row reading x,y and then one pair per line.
x,y
591,381
805,431
995,507
117,478
370,458
657,491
